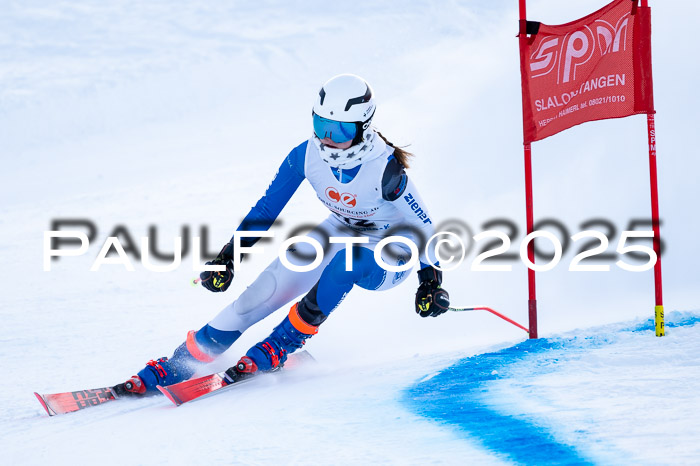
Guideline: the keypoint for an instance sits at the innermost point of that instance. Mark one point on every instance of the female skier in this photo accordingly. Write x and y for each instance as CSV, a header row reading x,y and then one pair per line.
x,y
360,177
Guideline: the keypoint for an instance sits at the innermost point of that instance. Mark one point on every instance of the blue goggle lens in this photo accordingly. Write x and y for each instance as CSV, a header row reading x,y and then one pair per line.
x,y
338,131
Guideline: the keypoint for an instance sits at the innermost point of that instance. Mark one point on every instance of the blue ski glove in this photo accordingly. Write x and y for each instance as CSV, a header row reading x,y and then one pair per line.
x,y
431,299
219,281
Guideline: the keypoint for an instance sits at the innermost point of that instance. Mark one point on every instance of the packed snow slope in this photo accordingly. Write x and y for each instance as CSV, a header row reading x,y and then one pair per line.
x,y
135,115
606,395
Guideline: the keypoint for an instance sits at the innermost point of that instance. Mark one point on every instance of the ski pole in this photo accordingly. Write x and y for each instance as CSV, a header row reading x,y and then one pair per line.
x,y
496,313
195,281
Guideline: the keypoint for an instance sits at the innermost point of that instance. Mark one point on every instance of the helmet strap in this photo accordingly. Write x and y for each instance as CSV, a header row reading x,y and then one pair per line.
x,y
361,128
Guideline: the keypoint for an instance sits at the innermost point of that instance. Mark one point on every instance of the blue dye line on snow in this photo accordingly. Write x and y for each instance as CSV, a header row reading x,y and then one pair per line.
x,y
454,396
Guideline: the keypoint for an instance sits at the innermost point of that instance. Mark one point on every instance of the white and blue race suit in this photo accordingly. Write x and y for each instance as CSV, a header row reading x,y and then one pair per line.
x,y
375,199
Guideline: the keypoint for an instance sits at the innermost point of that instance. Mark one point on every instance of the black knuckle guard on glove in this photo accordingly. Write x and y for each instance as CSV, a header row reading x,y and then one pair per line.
x,y
218,281
431,299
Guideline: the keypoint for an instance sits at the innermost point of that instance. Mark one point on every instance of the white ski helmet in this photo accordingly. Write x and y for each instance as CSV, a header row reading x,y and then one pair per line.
x,y
345,98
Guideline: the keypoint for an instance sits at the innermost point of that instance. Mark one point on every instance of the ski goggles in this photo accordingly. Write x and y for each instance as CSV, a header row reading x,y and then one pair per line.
x,y
337,131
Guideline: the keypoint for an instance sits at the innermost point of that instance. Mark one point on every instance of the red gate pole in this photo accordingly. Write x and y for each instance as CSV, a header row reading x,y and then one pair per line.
x,y
658,290
532,294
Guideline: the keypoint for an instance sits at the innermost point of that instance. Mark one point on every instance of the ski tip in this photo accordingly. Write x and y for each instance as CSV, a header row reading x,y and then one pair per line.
x,y
169,395
43,403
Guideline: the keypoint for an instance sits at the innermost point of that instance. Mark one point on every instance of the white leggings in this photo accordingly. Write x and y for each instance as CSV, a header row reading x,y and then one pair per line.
x,y
277,285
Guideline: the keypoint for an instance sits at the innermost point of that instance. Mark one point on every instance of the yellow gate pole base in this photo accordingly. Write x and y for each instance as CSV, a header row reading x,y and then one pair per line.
x,y
659,321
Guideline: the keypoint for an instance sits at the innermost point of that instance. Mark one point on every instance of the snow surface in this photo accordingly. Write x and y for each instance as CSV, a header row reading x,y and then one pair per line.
x,y
606,395
149,113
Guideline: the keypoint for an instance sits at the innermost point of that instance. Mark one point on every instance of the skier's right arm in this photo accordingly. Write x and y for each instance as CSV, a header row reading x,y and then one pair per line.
x,y
261,216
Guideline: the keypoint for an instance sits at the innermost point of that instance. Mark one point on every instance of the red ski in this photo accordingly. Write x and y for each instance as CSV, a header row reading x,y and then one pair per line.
x,y
68,402
201,387
62,403
193,389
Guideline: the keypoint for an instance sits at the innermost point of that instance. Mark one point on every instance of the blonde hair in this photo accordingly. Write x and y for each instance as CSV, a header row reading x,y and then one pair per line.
x,y
401,155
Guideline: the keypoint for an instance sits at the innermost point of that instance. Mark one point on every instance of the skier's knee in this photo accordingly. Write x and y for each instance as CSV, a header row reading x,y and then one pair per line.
x,y
364,271
337,267
257,294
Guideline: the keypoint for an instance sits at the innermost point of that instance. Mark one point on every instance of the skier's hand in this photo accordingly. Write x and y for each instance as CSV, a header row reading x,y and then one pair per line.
x,y
219,281
431,299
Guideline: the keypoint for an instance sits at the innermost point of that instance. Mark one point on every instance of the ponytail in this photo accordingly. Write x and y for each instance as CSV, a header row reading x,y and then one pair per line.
x,y
401,155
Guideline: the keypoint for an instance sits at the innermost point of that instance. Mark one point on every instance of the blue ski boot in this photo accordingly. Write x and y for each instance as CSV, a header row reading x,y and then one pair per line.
x,y
287,337
200,348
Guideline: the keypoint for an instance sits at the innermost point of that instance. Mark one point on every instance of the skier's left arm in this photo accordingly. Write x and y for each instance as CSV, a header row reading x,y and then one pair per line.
x,y
431,299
